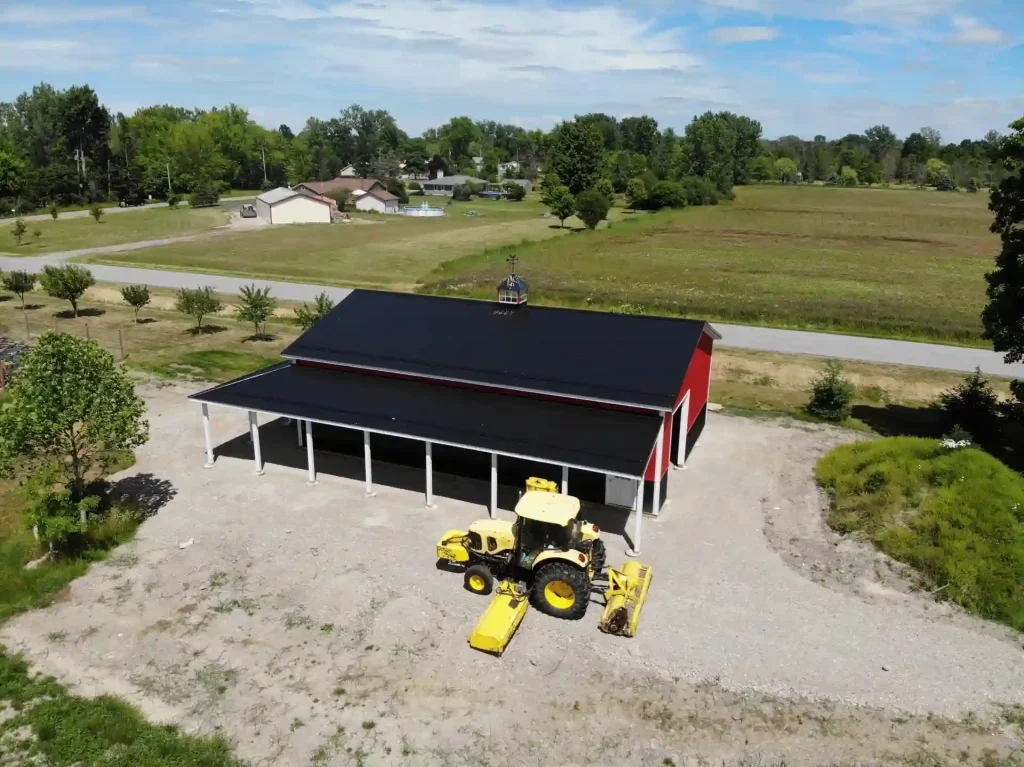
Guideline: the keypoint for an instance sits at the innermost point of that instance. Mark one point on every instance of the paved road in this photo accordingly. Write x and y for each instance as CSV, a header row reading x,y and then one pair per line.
x,y
225,201
857,348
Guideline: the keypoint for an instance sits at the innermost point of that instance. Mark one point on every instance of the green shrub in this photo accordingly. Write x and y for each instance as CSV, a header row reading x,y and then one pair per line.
x,y
308,316
173,200
414,186
955,515
514,191
666,194
462,193
700,191
831,394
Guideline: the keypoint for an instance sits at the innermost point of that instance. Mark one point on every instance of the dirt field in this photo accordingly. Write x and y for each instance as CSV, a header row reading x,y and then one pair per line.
x,y
310,625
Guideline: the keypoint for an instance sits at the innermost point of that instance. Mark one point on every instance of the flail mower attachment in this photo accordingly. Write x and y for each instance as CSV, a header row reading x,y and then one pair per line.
x,y
500,620
625,597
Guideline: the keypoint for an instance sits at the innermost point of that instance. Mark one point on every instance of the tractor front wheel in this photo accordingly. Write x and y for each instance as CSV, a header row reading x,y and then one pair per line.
x,y
561,591
479,580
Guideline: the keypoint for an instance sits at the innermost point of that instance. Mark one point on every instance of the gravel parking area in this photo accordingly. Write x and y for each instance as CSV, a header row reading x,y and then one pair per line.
x,y
309,624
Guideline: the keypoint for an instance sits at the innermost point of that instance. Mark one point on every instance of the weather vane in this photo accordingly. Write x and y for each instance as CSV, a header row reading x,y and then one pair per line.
x,y
512,263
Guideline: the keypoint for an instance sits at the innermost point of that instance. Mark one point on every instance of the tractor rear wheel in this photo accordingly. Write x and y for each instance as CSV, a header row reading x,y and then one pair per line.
x,y
479,580
561,590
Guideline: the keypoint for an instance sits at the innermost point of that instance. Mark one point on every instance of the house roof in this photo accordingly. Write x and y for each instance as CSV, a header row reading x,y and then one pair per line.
x,y
612,441
279,194
633,360
515,283
346,182
382,194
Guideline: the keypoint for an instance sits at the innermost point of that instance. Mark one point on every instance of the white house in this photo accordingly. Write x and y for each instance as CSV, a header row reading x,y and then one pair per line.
x,y
378,200
290,206
349,171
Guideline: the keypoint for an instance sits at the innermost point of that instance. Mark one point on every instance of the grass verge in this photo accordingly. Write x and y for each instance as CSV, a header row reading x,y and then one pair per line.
x,y
957,516
49,726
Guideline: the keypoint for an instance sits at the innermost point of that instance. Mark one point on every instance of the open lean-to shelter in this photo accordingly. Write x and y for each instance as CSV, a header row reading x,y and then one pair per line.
x,y
470,387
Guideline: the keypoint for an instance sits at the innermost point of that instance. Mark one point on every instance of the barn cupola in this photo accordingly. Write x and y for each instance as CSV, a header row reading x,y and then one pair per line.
x,y
513,289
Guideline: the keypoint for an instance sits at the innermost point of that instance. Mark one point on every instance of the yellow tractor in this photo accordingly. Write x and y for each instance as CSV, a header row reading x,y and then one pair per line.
x,y
547,547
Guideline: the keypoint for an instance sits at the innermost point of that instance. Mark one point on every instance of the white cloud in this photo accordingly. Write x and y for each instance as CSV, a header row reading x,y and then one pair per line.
x,y
970,31
730,35
880,13
53,15
52,55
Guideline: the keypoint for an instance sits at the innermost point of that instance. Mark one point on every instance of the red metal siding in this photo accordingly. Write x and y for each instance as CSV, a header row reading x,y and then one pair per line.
x,y
698,377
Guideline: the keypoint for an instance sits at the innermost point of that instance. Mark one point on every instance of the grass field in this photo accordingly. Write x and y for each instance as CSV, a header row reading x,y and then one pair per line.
x,y
113,229
393,252
880,262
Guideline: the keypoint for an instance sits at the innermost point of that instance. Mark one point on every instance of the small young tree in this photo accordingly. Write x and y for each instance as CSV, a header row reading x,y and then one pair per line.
x,y
197,303
256,306
785,170
36,234
848,177
340,196
96,212
18,230
20,283
462,193
69,408
204,194
173,200
831,394
136,296
308,316
636,193
592,207
604,186
67,282
972,405
562,204
54,211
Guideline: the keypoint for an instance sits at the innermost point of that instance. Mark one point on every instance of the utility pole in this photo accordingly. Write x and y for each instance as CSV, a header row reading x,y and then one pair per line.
x,y
263,152
169,178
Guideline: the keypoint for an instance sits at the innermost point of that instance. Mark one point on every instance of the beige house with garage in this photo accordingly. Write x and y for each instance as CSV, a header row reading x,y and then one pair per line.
x,y
375,201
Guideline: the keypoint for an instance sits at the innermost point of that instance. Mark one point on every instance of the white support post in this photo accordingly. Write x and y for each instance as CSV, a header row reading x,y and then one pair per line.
x,y
254,432
206,435
565,480
659,451
298,430
430,475
494,485
684,429
367,464
638,510
309,453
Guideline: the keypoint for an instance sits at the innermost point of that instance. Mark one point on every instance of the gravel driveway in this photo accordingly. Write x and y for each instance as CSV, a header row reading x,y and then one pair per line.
x,y
312,620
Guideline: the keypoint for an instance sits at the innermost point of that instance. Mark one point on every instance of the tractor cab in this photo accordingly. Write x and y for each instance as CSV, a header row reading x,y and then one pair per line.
x,y
548,522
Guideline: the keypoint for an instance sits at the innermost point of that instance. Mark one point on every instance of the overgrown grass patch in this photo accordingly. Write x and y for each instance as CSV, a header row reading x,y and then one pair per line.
x,y
206,364
957,516
64,730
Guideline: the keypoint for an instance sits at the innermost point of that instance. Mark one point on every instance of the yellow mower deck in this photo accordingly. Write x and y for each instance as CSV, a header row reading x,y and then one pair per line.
x,y
500,620
625,597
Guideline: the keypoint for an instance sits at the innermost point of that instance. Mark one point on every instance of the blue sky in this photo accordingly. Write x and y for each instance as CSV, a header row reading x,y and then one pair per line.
x,y
798,66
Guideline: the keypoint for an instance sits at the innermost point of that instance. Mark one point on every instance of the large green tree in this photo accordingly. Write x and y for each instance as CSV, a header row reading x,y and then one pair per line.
x,y
1003,317
575,154
70,408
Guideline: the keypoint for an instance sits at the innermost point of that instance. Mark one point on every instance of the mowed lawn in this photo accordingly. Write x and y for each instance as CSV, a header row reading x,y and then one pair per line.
x,y
395,252
898,263
113,229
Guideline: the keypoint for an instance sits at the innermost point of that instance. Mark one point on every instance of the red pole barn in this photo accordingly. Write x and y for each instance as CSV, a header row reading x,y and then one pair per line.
x,y
603,402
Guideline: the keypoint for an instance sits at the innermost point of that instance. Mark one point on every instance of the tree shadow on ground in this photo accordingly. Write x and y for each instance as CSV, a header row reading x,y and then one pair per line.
x,y
6,298
260,337
206,330
900,420
146,492
146,321
31,307
89,311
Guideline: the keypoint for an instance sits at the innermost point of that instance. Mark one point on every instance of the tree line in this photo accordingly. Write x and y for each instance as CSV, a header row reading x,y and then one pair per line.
x,y
63,147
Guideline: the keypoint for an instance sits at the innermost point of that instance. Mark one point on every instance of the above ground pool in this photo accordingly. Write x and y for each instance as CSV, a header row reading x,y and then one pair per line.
x,y
423,210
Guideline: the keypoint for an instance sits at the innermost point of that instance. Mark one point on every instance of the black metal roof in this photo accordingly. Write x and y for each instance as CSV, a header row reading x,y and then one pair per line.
x,y
514,282
597,356
612,441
